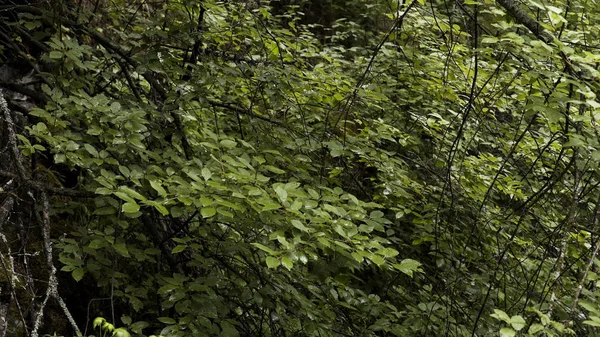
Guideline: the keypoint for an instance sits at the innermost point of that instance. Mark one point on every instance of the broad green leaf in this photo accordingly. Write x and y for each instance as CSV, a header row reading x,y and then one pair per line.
x,y
264,248
91,150
359,258
228,330
121,249
56,55
281,193
517,322
270,206
378,260
535,328
501,315
126,319
206,201
130,207
225,212
272,262
178,249
208,212
299,225
157,186
408,267
287,262
592,323
160,208
206,174
132,193
166,320
227,143
78,274
274,169
97,243
507,332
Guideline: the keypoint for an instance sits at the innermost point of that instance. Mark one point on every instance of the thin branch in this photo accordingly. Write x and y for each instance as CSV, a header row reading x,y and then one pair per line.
x,y
12,138
243,111
49,189
52,290
9,272
39,97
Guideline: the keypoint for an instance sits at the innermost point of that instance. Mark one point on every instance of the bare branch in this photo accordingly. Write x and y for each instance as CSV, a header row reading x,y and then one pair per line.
x,y
12,138
52,290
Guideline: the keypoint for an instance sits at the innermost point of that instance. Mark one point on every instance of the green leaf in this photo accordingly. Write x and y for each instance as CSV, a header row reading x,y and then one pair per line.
x,y
517,322
206,174
98,322
208,212
109,210
157,186
138,326
264,248
126,319
228,330
227,143
408,267
269,206
507,332
124,196
281,193
121,332
501,315
592,323
97,243
299,225
274,169
121,249
166,320
287,262
55,55
535,328
89,148
272,262
378,260
205,201
489,40
132,193
130,207
78,274
388,252
162,209
115,107
359,258
178,249
225,212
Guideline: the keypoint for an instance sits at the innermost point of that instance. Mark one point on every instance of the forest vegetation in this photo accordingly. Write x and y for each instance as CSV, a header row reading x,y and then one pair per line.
x,y
321,168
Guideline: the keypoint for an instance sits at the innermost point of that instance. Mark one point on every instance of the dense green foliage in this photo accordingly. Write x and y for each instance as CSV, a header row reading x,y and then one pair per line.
x,y
300,168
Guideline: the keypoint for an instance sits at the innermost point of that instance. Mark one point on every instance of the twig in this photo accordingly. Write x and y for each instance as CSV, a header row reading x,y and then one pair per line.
x,y
9,271
49,189
52,290
12,138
